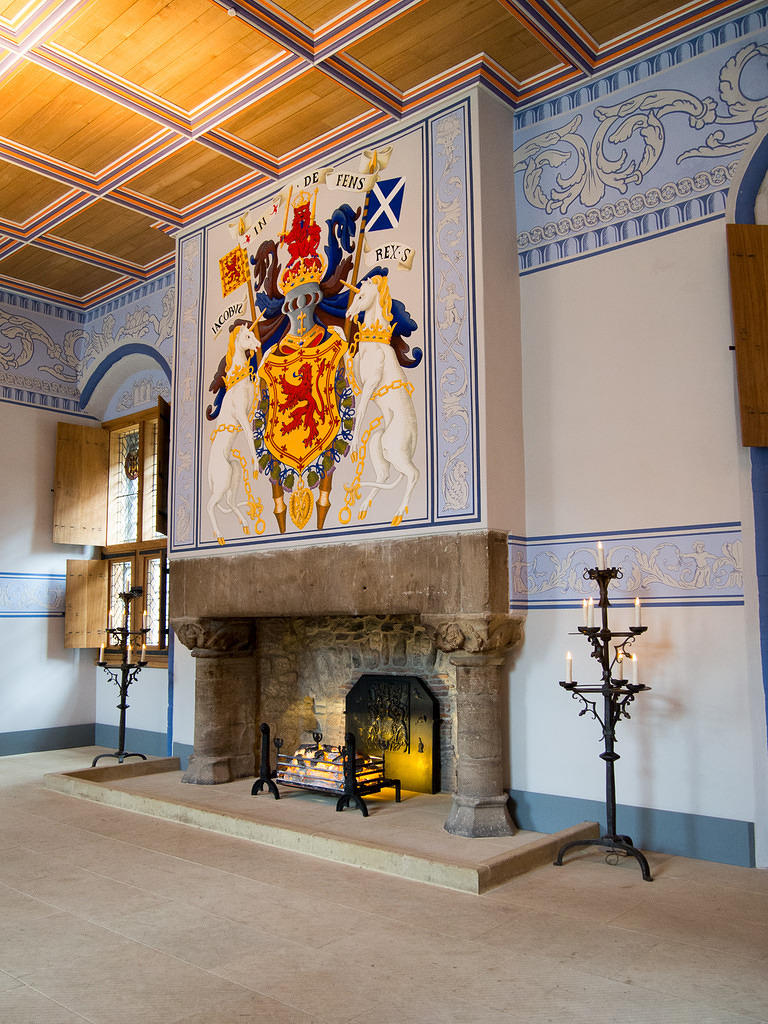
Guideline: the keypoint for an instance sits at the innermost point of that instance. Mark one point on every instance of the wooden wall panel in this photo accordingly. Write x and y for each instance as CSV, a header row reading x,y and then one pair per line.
x,y
748,262
85,609
80,488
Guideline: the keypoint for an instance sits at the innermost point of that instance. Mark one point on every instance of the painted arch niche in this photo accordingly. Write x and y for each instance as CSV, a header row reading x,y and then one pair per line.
x,y
129,381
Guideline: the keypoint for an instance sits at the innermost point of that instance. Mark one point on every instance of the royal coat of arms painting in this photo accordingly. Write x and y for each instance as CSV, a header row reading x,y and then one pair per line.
x,y
315,355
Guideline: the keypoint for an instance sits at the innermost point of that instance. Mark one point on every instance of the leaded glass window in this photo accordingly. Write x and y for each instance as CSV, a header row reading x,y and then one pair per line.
x,y
123,503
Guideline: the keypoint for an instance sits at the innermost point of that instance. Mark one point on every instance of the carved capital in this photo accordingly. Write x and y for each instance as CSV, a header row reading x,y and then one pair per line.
x,y
211,637
482,636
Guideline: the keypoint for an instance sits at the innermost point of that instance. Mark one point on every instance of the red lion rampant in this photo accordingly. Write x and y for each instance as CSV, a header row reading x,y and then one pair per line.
x,y
295,394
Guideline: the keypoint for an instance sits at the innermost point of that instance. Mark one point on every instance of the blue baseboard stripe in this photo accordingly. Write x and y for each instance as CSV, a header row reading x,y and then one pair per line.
x,y
27,741
684,835
143,742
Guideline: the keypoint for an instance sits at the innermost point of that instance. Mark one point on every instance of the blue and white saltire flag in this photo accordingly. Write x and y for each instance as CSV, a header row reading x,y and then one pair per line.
x,y
384,204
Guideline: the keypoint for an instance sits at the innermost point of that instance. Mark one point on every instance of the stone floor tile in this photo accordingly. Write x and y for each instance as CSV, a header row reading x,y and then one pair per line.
x,y
50,941
128,985
727,981
22,1005
192,935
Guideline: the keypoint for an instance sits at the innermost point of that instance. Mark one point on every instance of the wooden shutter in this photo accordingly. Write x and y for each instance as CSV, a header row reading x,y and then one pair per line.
x,y
163,454
85,608
748,261
80,488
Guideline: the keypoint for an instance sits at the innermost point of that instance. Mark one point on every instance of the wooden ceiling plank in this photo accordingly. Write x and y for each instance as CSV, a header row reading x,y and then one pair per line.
x,y
117,231
23,193
434,37
54,116
188,176
184,53
303,109
607,19
53,271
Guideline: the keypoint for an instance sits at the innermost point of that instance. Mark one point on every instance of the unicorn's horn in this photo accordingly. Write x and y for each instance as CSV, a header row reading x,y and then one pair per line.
x,y
350,286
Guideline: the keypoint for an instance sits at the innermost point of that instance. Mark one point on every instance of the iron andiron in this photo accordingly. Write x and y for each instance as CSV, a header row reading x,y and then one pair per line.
x,y
617,695
126,671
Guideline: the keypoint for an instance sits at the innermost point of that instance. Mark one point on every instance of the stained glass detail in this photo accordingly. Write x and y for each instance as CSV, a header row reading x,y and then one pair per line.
x,y
153,597
120,582
123,513
149,501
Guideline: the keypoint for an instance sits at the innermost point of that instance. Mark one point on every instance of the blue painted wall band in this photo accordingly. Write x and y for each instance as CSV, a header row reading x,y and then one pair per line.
x,y
724,840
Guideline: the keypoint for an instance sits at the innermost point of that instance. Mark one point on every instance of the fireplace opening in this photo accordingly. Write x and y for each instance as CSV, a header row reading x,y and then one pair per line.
x,y
398,714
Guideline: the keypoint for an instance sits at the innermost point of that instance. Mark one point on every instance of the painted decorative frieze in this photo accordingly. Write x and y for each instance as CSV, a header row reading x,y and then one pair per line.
x,y
52,356
683,566
648,149
39,357
184,405
31,595
454,331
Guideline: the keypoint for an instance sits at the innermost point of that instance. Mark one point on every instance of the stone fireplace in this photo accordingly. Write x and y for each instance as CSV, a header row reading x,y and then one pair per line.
x,y
282,636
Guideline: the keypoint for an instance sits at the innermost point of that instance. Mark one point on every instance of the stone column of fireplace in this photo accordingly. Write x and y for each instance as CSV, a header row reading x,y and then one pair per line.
x,y
477,646
225,697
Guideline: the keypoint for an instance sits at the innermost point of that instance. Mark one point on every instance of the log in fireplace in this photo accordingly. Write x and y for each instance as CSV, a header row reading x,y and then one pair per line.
x,y
323,768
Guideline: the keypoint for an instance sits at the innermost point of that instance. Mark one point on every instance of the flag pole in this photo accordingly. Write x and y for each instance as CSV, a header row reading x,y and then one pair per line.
x,y
359,250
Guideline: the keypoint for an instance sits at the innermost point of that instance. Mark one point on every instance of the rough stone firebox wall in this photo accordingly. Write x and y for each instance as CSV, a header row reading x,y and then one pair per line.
x,y
308,667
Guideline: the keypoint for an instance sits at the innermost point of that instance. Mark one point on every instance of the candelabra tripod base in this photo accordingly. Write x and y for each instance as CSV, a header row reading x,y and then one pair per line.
x,y
120,755
618,845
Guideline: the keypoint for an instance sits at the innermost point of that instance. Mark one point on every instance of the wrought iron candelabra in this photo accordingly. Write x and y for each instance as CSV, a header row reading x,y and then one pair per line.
x,y
126,671
617,694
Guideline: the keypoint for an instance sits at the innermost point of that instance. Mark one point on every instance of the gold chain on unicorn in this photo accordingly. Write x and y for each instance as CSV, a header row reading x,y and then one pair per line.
x,y
352,492
255,506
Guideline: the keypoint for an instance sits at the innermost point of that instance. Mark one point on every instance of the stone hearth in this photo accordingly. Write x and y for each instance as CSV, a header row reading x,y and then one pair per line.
x,y
285,633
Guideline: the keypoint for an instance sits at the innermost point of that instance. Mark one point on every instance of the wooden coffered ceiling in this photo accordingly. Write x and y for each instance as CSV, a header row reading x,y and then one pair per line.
x,y
123,120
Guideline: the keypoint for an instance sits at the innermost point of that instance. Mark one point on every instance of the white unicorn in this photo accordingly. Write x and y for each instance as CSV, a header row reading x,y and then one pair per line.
x,y
391,438
232,446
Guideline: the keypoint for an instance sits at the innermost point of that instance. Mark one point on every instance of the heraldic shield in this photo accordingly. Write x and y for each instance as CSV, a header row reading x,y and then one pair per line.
x,y
303,418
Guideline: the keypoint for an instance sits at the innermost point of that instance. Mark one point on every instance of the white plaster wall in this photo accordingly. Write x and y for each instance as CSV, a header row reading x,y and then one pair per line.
x,y
43,685
629,395
630,422
183,694
147,700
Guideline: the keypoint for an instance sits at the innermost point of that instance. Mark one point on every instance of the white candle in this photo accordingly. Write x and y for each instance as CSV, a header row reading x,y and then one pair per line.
x,y
634,668
568,667
101,653
585,611
144,619
129,652
638,617
111,618
143,652
600,555
620,665
591,612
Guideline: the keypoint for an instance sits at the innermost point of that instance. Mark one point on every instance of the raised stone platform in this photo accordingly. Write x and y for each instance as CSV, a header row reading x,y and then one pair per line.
x,y
406,839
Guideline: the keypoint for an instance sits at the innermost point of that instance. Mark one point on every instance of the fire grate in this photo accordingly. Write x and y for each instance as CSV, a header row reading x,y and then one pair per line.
x,y
337,771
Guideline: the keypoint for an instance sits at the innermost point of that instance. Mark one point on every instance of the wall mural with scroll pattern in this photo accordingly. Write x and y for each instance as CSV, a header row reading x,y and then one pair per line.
x,y
646,150
31,595
700,564
50,354
40,348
